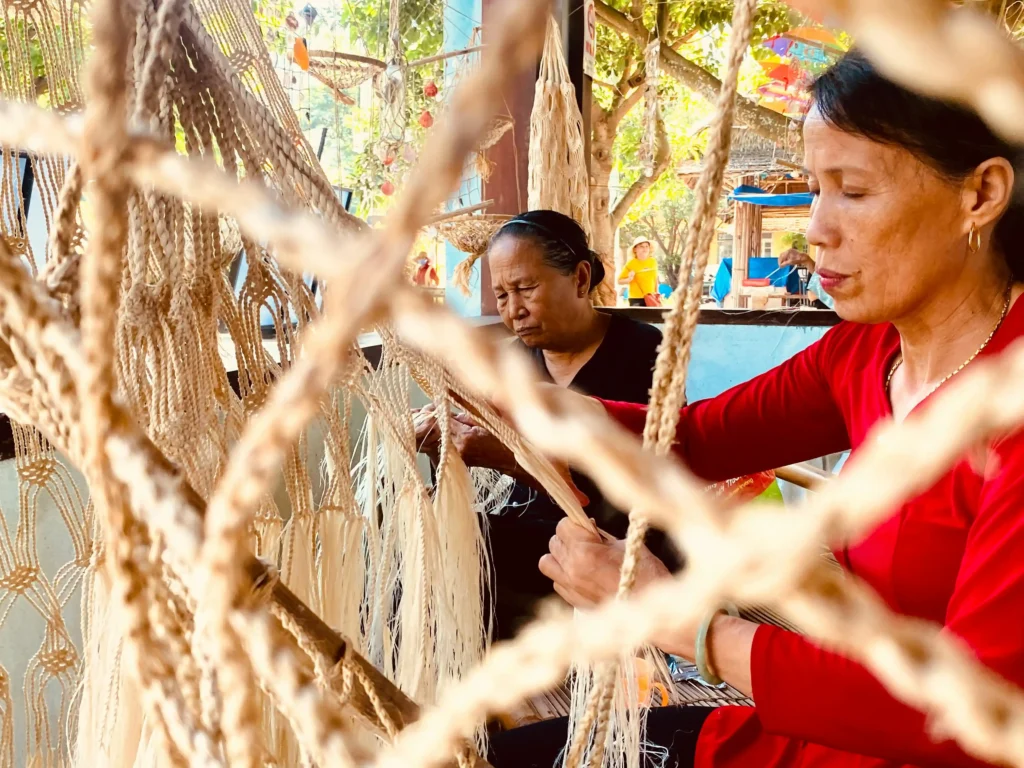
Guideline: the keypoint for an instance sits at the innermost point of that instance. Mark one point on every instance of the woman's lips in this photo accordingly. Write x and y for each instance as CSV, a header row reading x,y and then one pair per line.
x,y
831,280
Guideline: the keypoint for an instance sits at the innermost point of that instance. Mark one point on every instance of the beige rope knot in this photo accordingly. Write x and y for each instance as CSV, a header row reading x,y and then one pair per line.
x,y
141,307
19,579
23,6
37,472
18,246
59,660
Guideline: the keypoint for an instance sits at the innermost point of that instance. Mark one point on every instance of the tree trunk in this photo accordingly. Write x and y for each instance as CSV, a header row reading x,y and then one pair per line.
x,y
602,228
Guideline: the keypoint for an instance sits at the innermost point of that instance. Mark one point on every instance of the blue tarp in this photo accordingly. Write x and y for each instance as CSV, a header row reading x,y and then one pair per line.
x,y
757,268
757,196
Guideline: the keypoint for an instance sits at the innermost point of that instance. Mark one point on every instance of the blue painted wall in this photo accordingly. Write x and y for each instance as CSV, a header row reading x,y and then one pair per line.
x,y
460,17
726,355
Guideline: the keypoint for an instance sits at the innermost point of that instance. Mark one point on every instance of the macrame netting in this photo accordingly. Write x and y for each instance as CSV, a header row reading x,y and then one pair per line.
x,y
202,634
607,722
386,559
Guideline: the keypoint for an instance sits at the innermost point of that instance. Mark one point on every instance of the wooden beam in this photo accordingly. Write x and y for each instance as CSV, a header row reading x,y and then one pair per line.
x,y
803,475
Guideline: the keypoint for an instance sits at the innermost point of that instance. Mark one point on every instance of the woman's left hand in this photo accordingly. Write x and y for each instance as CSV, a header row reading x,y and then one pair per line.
x,y
585,568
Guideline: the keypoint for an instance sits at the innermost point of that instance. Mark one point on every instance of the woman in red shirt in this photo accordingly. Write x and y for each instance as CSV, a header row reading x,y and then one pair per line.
x,y
920,230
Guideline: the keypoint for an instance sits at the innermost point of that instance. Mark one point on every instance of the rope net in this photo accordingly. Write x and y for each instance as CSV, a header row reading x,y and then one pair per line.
x,y
237,610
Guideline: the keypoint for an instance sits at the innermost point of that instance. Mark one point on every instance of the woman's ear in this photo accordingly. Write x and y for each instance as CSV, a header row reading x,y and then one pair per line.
x,y
988,191
582,279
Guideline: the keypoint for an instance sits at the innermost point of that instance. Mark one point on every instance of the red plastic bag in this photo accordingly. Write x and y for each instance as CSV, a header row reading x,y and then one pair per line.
x,y
652,300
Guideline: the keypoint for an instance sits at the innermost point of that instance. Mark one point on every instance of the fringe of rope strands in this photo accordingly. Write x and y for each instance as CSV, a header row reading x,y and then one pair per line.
x,y
667,397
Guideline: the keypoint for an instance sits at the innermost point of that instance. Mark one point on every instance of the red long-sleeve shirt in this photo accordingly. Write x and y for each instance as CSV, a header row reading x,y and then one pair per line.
x,y
953,555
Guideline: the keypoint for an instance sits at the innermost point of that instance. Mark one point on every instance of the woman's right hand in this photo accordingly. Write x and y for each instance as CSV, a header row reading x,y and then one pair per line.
x,y
428,433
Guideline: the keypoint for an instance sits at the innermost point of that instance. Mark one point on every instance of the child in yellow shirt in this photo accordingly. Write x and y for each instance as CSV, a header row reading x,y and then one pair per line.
x,y
641,272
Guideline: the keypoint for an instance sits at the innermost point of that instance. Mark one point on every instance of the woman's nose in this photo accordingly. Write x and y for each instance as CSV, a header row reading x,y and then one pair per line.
x,y
517,307
821,230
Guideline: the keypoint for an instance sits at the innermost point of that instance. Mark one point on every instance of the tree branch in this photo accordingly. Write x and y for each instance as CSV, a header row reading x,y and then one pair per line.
x,y
623,108
657,235
764,122
661,21
662,160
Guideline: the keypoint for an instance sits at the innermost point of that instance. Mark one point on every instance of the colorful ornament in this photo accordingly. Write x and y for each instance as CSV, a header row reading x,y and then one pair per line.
x,y
301,54
388,161
430,89
426,119
387,188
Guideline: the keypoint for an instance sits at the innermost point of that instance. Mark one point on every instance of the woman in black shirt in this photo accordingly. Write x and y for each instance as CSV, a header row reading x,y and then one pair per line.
x,y
542,274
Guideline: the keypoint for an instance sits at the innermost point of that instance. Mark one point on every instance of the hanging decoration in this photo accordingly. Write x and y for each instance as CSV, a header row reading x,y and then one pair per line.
x,y
798,56
390,87
649,145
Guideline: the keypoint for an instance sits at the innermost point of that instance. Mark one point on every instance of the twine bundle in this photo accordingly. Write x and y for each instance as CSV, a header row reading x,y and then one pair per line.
x,y
557,144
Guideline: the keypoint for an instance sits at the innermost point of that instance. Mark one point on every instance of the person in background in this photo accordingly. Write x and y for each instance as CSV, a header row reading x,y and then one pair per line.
x,y
542,274
800,259
425,274
640,273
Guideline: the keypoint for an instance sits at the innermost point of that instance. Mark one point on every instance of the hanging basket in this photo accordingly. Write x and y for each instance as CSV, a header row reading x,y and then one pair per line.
x,y
341,71
499,128
471,234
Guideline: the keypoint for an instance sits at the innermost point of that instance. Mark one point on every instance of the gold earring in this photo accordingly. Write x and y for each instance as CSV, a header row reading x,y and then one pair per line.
x,y
974,239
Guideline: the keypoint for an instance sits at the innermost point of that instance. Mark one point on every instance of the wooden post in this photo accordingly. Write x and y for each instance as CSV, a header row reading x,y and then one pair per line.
x,y
746,243
510,157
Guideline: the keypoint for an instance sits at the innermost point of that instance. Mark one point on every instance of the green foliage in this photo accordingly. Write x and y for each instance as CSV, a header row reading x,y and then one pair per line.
x,y
794,240
359,26
699,30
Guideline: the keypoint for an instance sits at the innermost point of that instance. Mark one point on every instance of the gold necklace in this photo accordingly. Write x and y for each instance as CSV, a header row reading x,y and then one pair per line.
x,y
1006,309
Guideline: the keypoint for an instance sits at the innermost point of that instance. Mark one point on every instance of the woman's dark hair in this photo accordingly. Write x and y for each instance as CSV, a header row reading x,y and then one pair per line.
x,y
855,98
562,241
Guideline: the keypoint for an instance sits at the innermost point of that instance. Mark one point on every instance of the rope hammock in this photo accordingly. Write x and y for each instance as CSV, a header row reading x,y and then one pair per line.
x,y
237,608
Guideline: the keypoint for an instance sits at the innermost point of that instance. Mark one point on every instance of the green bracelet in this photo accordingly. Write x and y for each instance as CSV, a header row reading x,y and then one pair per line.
x,y
701,661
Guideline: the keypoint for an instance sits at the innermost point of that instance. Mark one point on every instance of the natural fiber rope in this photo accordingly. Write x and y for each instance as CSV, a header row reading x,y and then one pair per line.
x,y
986,402
669,389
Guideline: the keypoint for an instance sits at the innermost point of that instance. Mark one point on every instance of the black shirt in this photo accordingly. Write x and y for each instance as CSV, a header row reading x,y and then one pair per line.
x,y
622,369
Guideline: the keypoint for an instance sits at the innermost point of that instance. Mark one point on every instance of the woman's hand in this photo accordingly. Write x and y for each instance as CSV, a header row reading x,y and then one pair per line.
x,y
428,433
585,568
478,447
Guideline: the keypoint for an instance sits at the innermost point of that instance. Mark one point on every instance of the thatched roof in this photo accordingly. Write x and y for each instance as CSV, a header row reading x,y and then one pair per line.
x,y
750,154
